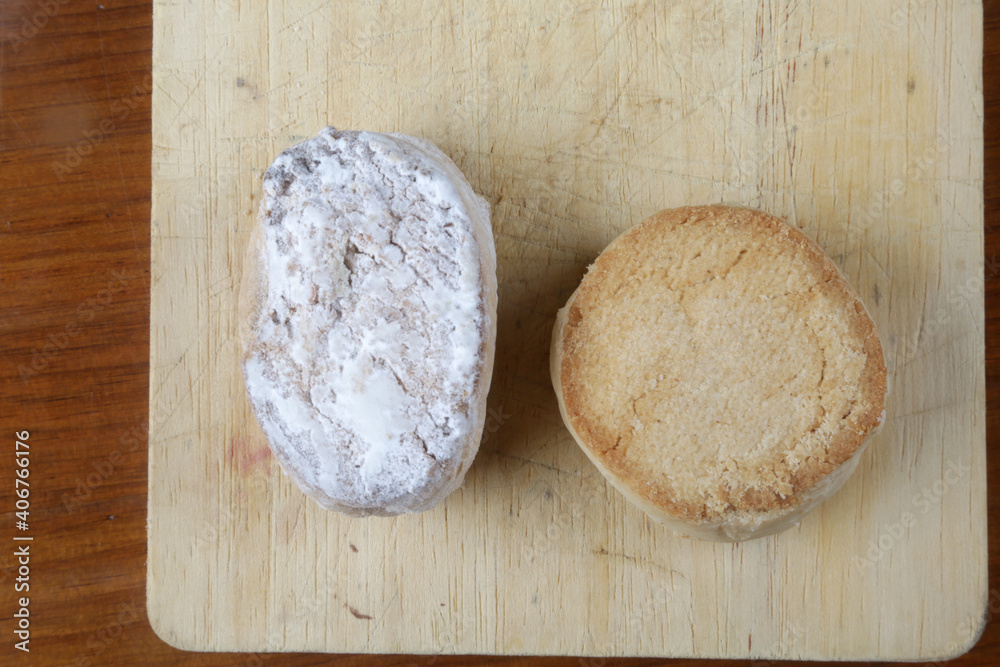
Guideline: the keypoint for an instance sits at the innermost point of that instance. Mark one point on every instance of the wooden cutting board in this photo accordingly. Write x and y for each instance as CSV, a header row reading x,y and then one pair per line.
x,y
859,122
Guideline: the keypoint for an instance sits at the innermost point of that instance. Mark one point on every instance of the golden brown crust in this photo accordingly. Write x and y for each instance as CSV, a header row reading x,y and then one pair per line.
x,y
634,258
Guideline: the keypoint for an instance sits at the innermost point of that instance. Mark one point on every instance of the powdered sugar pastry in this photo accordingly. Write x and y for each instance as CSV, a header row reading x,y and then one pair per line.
x,y
374,321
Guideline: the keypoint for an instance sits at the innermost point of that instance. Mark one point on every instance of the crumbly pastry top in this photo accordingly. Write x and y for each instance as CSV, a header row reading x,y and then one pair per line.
x,y
715,360
368,328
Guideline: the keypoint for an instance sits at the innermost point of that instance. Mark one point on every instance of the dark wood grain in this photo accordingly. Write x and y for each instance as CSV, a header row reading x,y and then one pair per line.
x,y
74,316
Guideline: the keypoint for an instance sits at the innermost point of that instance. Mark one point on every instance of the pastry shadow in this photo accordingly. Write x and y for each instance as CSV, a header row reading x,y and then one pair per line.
x,y
553,210
523,426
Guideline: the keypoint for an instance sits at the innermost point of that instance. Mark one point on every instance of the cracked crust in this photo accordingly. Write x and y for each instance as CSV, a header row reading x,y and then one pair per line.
x,y
719,370
368,320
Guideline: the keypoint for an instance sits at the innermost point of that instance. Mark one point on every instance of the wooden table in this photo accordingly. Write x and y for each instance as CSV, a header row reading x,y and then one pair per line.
x,y
74,315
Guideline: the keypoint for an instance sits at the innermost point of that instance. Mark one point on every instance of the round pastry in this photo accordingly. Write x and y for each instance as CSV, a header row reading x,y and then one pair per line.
x,y
368,320
719,371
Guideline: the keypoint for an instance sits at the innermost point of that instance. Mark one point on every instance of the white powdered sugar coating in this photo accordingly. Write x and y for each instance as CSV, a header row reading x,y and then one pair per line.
x,y
375,322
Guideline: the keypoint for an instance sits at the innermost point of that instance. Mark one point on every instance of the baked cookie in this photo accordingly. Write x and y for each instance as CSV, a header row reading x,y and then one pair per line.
x,y
719,371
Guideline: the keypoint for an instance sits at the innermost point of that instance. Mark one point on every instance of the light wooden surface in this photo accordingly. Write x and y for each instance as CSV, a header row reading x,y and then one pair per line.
x,y
861,124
